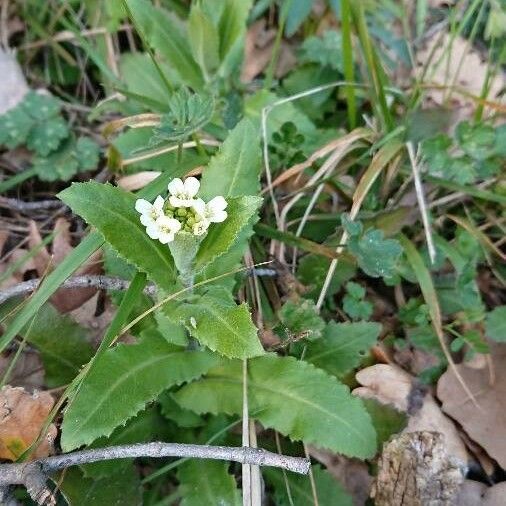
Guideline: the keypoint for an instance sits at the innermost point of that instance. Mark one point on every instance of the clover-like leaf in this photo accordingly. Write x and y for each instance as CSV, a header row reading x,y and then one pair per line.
x,y
71,158
46,136
325,50
302,316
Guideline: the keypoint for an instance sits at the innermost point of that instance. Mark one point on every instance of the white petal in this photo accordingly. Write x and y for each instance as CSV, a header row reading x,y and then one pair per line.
x,y
142,206
146,220
176,186
158,203
199,206
217,204
174,225
166,237
153,231
200,228
191,186
218,217
176,201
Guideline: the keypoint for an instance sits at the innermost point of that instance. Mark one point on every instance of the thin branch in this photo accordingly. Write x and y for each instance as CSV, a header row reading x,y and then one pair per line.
x,y
33,475
98,281
21,206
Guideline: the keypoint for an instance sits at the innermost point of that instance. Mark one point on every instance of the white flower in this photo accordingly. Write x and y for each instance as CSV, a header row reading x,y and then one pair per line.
x,y
149,212
164,229
200,228
182,193
213,211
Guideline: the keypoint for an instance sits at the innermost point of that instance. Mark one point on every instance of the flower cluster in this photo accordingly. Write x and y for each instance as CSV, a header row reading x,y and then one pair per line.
x,y
182,211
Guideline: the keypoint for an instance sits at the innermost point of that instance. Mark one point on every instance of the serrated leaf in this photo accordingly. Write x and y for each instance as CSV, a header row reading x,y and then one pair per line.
x,y
46,137
40,106
188,113
146,426
166,36
495,324
87,152
329,491
70,158
62,343
301,316
173,411
375,255
222,236
342,346
15,127
326,50
207,482
123,488
121,382
112,211
290,396
235,170
218,323
204,41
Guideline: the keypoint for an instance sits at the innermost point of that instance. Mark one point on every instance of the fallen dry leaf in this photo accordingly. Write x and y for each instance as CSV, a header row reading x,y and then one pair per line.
x,y
257,50
475,493
28,371
486,425
389,384
68,299
459,65
22,417
138,180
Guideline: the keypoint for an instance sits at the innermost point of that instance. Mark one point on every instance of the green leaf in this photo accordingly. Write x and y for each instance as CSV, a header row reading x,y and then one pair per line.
x,y
375,255
290,396
188,113
173,411
62,343
142,77
167,37
70,158
343,346
15,126
204,41
46,137
325,50
354,305
329,491
207,482
235,170
242,211
218,323
298,11
495,324
386,419
232,31
123,488
111,210
146,426
36,122
301,316
121,382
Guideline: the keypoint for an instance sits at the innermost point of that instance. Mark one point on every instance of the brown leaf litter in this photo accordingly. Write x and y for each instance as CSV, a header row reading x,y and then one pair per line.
x,y
487,425
22,417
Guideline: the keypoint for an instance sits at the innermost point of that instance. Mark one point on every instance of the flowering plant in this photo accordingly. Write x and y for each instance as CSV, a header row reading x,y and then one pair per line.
x,y
180,212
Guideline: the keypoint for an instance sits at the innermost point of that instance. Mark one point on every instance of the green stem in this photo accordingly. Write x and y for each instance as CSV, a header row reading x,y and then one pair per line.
x,y
17,179
269,75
